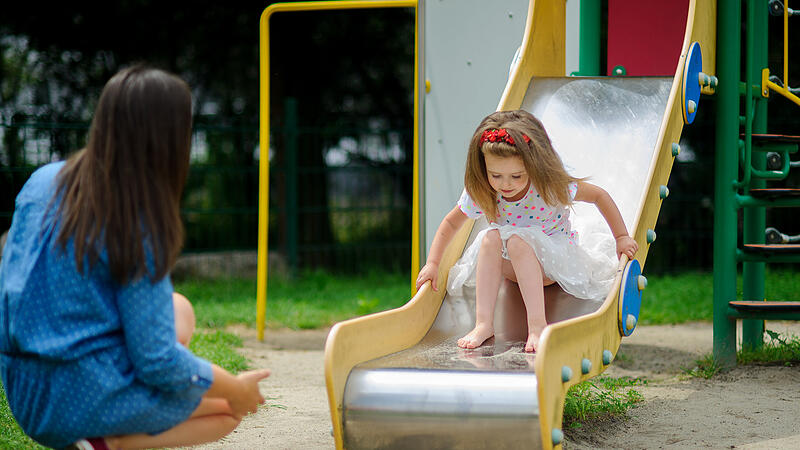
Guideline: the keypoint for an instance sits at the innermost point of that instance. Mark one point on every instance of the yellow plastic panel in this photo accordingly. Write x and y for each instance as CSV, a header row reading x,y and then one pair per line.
x,y
542,52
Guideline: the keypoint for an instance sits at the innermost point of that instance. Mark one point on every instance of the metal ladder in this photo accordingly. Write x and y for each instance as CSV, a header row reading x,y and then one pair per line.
x,y
741,179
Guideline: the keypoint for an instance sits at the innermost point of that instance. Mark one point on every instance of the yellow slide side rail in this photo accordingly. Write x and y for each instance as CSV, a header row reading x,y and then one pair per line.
x,y
366,338
263,142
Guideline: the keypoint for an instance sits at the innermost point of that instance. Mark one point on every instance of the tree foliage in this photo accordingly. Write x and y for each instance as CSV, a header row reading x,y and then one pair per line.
x,y
350,73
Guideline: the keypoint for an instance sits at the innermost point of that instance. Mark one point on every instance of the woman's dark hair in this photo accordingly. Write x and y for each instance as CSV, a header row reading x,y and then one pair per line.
x,y
122,192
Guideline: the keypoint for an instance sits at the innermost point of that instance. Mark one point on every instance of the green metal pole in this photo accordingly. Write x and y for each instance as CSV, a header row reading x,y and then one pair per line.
x,y
589,38
291,135
755,217
726,162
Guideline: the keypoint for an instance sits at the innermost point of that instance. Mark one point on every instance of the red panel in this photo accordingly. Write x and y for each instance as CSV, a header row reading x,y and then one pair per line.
x,y
645,36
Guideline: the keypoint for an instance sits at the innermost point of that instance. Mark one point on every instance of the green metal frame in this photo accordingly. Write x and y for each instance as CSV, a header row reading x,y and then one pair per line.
x,y
726,172
589,37
731,190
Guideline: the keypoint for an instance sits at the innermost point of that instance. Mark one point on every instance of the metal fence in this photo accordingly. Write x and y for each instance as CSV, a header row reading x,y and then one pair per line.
x,y
338,202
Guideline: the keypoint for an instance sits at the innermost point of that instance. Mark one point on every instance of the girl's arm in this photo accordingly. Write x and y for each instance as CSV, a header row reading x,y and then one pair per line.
x,y
450,225
605,204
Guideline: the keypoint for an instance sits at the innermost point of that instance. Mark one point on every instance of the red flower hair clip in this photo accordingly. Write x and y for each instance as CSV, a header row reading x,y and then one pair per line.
x,y
500,134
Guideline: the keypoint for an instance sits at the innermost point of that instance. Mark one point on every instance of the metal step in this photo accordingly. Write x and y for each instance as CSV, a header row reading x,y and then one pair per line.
x,y
770,253
774,194
775,139
763,310
772,249
764,306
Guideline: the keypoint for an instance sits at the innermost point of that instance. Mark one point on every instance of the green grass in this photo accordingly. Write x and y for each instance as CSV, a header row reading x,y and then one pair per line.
x,y
600,398
777,350
705,367
318,299
11,435
219,347
313,300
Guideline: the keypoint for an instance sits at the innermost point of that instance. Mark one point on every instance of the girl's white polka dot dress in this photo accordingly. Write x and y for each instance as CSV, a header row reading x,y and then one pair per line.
x,y
583,272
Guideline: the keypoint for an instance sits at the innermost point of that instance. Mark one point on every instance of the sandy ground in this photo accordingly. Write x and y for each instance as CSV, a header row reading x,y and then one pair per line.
x,y
753,407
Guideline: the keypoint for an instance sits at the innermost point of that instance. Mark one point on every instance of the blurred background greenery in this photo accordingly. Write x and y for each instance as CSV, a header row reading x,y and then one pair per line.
x,y
341,116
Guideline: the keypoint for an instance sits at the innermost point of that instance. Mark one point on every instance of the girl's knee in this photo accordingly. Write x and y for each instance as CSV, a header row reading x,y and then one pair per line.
x,y
517,247
492,240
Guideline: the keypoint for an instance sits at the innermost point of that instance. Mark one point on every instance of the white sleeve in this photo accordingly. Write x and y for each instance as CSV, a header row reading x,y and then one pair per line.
x,y
468,206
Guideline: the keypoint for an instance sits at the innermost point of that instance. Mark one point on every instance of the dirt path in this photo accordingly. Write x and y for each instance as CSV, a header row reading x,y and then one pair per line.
x,y
755,407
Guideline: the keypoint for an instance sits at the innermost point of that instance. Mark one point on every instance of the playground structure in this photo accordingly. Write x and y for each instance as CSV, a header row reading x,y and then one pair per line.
x,y
396,379
742,175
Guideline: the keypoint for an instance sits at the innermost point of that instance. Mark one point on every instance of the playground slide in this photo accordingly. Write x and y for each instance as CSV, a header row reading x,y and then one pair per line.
x,y
397,379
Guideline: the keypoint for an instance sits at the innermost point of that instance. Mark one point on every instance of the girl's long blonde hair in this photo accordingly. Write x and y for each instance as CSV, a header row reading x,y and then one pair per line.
x,y
542,164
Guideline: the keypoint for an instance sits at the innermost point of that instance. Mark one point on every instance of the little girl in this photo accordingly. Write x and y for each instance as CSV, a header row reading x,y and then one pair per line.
x,y
92,338
517,181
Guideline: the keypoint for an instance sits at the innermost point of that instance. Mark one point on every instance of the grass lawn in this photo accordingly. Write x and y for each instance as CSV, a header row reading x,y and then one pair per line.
x,y
313,300
318,299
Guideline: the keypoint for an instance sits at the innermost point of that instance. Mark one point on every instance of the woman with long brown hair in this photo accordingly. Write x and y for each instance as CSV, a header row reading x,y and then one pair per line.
x,y
92,337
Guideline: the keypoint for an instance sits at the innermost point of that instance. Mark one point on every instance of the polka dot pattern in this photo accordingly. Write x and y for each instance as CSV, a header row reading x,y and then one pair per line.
x,y
550,219
583,272
81,356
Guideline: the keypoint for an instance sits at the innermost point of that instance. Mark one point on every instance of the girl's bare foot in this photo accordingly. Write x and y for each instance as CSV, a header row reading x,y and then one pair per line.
x,y
476,337
532,343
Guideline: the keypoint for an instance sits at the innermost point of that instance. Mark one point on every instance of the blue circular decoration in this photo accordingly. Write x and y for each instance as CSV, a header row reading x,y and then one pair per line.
x,y
690,91
630,298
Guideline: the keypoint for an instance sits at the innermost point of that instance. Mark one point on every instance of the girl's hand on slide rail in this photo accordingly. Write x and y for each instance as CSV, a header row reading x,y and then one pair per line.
x,y
429,272
626,245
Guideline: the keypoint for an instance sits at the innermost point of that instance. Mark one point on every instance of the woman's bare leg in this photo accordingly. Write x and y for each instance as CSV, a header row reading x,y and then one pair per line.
x,y
184,318
487,284
212,420
531,282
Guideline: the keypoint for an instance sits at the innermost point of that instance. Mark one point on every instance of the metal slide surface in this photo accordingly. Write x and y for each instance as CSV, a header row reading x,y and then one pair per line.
x,y
397,379
605,128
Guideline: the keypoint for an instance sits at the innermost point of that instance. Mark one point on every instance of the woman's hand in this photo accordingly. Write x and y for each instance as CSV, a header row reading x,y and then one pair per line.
x,y
248,398
626,245
429,272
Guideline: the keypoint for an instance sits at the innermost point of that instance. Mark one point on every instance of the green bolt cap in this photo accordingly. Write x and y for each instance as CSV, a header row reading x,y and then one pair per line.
x,y
557,435
630,322
586,366
676,149
651,236
663,192
566,374
607,357
641,281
